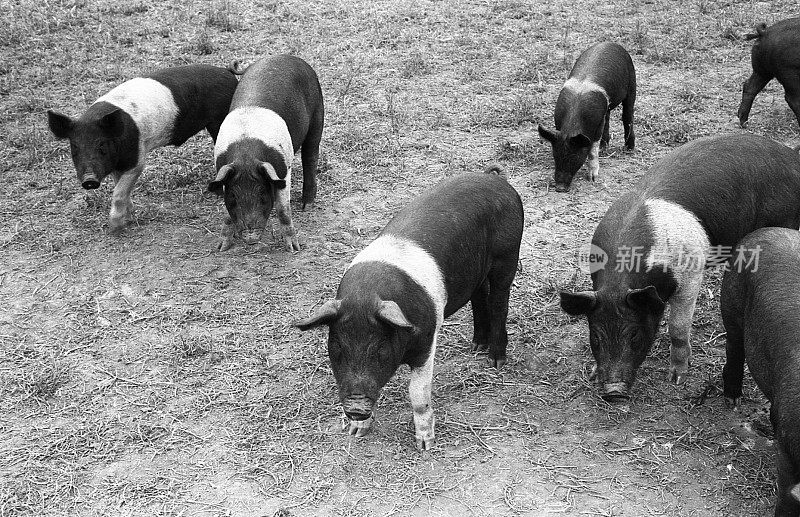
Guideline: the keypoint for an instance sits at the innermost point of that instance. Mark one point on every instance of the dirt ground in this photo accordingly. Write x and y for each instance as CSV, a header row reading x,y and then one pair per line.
x,y
148,374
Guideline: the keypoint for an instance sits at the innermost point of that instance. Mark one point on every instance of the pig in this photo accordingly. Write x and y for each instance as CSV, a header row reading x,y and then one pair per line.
x,y
602,78
276,110
774,55
457,242
684,213
761,314
165,107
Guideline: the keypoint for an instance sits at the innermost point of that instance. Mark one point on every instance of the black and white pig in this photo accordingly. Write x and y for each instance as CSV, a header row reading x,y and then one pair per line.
x,y
694,202
277,109
761,312
602,78
776,54
456,243
165,107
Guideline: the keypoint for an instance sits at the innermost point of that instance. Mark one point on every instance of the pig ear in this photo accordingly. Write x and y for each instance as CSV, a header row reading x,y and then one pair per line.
x,y
576,304
580,141
271,175
389,312
223,174
112,124
550,136
646,298
795,492
60,125
325,315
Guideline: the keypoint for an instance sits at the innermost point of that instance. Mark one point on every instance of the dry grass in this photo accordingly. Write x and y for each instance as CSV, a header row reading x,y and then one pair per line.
x,y
148,375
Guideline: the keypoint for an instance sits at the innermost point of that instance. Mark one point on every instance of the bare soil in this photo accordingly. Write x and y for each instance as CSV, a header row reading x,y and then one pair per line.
x,y
148,374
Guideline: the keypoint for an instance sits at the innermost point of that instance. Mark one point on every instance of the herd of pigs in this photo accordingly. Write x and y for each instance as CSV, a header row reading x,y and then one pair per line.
x,y
459,242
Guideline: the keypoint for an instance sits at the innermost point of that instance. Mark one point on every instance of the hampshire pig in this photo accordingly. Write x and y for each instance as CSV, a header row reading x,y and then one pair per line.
x,y
761,313
276,110
601,79
686,212
776,54
456,243
114,135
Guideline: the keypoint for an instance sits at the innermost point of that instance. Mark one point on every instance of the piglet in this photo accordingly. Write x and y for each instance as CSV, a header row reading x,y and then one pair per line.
x,y
277,109
114,135
687,211
776,54
602,78
457,242
761,313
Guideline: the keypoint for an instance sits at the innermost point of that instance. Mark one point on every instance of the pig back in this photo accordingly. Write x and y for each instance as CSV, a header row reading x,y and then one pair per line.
x,y
286,85
776,48
468,223
734,184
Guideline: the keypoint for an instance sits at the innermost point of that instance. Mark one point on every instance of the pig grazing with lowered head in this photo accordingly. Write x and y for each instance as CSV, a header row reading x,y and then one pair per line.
x,y
692,206
114,135
776,54
761,312
456,243
602,78
277,109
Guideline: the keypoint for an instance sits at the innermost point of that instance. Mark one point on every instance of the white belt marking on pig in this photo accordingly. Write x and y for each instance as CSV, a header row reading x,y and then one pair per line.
x,y
260,124
151,106
680,245
584,86
410,258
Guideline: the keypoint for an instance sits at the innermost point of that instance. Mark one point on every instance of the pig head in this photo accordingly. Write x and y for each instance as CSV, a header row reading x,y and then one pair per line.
x,y
569,155
622,328
367,342
249,189
101,141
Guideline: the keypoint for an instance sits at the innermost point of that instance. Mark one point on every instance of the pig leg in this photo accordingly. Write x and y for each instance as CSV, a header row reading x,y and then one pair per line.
x,y
310,156
627,122
284,211
750,89
733,371
213,130
681,313
500,279
787,480
419,391
792,87
480,317
606,131
228,232
593,164
121,205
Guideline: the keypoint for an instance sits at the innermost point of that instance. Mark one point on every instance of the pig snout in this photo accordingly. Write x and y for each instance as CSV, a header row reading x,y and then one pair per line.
x,y
90,182
615,392
251,236
357,407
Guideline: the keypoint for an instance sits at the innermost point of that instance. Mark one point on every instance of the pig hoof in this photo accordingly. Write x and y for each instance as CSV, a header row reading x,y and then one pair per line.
x,y
358,428
116,225
731,402
677,376
479,347
425,444
593,373
225,244
292,244
498,362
